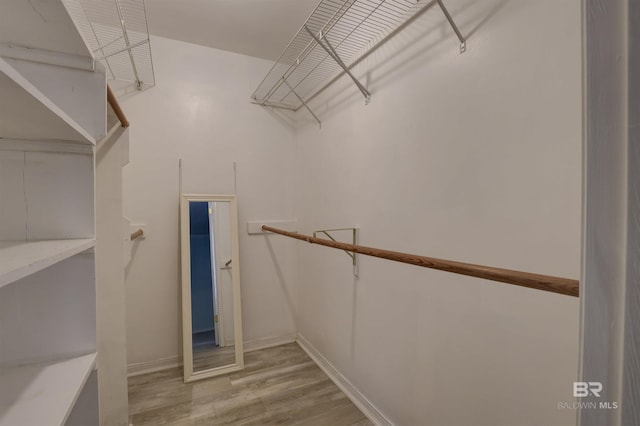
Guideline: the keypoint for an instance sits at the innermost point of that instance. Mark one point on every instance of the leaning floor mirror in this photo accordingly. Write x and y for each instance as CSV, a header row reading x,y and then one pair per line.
x,y
211,316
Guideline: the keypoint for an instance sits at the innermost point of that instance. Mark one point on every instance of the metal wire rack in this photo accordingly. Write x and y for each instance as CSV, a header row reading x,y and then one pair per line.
x,y
116,31
337,33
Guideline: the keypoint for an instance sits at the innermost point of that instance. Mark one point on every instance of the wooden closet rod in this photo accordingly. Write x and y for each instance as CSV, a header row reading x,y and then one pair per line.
x,y
564,286
111,99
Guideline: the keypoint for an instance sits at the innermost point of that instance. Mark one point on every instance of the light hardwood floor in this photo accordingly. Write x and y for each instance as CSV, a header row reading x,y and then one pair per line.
x,y
279,385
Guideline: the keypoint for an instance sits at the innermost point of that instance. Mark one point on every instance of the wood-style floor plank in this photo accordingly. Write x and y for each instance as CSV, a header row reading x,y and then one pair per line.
x,y
279,385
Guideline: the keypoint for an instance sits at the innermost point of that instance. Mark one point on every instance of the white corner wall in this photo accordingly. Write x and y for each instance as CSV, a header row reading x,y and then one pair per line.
x,y
474,157
200,112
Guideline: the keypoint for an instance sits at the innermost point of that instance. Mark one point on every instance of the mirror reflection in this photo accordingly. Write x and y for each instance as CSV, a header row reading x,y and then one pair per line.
x,y
211,289
210,286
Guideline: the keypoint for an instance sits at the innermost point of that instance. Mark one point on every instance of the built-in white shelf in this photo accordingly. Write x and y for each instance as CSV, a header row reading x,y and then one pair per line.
x,y
42,25
26,113
42,393
21,258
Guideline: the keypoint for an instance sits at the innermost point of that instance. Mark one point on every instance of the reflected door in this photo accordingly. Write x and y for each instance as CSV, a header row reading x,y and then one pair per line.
x,y
211,299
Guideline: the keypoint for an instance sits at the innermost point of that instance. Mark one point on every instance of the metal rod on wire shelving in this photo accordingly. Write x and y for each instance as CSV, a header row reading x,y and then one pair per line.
x,y
126,41
382,42
548,283
124,49
463,42
331,52
303,102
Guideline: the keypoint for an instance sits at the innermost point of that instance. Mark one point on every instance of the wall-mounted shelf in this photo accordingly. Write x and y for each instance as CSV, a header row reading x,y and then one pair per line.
x,y
337,35
42,393
27,113
21,258
44,26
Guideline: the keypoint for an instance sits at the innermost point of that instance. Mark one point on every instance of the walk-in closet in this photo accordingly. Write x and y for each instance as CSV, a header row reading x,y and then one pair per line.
x,y
319,212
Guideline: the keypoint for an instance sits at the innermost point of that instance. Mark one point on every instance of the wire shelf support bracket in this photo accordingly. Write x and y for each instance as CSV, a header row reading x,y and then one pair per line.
x,y
337,36
354,238
332,52
303,102
463,41
117,33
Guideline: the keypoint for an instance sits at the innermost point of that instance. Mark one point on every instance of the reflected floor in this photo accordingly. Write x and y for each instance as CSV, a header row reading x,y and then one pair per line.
x,y
211,356
279,385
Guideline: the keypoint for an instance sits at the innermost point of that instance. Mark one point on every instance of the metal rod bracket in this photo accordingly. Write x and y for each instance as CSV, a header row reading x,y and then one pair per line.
x,y
331,52
463,41
354,237
302,100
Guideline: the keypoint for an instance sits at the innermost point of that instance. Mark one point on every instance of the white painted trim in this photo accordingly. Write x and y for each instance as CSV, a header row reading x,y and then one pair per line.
x,y
269,342
67,60
360,401
176,361
45,146
153,366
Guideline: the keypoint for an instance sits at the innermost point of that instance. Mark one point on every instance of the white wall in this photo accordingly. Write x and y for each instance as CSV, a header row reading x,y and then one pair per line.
x,y
473,157
200,112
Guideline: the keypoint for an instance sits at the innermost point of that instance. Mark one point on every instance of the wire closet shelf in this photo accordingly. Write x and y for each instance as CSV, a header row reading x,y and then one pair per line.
x,y
117,33
335,37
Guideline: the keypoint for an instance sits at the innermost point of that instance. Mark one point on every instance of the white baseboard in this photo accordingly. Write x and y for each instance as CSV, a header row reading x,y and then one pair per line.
x,y
176,361
153,366
269,342
345,385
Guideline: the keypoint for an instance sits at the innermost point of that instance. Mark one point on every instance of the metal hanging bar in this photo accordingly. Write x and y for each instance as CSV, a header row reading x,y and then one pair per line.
x,y
95,36
548,283
124,49
126,40
331,52
103,46
303,102
463,42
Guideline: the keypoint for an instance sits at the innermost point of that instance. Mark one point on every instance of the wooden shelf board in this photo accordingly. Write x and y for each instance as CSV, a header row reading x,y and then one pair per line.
x,y
21,258
42,393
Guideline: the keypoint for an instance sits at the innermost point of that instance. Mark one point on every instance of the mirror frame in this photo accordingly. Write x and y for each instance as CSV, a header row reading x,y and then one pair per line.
x,y
185,258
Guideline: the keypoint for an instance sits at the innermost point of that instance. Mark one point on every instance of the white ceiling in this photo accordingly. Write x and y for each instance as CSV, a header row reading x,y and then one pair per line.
x,y
259,28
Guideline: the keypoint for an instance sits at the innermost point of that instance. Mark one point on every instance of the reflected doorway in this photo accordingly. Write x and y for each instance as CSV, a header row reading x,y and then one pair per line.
x,y
207,266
